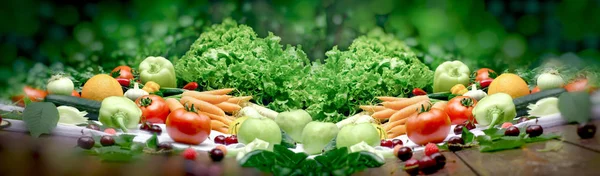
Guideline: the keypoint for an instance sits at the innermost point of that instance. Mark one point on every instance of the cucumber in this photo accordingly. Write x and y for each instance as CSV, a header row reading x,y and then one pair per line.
x,y
440,96
521,103
90,106
171,91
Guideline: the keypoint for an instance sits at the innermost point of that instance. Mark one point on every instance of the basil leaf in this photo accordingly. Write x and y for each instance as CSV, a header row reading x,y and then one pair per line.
x,y
575,107
543,137
289,158
443,147
115,154
40,118
503,143
467,136
152,142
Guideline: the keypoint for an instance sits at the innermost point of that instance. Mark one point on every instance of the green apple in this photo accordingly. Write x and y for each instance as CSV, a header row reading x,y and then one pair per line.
x,y
316,135
355,133
293,122
262,128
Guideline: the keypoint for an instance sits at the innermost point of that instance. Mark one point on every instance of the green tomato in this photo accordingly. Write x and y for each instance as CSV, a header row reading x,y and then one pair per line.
x,y
293,122
159,70
316,135
450,73
353,134
262,128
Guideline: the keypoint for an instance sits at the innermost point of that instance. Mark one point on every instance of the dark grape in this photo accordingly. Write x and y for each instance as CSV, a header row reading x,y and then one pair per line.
x,y
93,127
165,146
586,131
231,140
386,143
455,143
512,131
156,129
404,153
427,165
107,140
216,154
220,139
534,130
86,142
396,142
440,160
458,129
412,166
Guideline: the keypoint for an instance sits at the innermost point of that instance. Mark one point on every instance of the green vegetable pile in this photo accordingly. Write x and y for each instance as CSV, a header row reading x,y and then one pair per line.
x,y
231,55
283,161
374,65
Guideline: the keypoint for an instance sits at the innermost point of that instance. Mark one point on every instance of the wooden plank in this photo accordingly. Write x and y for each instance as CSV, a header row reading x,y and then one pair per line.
x,y
569,133
570,159
454,166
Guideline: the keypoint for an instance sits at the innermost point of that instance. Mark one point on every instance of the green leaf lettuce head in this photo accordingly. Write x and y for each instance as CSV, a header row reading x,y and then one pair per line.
x,y
374,65
229,55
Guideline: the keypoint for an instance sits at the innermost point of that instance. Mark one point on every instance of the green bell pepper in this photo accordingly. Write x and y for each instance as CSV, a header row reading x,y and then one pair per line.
x,y
159,70
119,112
449,74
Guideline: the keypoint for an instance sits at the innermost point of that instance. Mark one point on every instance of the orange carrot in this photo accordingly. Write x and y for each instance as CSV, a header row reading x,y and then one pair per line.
x,y
398,105
214,124
370,108
441,105
385,98
173,104
238,100
202,105
229,107
222,130
219,91
223,119
384,114
406,112
213,99
392,124
396,131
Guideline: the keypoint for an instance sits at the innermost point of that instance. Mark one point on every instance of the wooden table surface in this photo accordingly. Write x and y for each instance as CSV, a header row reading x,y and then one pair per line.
x,y
53,155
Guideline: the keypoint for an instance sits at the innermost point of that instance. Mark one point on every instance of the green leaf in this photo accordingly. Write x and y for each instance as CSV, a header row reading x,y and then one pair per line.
x,y
467,136
543,137
115,154
443,147
152,142
287,157
503,143
124,140
575,107
40,118
263,160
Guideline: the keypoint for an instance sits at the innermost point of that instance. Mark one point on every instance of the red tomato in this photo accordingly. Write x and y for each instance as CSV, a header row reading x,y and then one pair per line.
x,y
154,108
460,109
123,72
75,93
35,95
188,127
535,90
432,126
580,84
485,73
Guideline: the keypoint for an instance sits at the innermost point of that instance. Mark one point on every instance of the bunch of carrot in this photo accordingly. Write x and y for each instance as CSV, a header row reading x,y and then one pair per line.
x,y
396,111
215,104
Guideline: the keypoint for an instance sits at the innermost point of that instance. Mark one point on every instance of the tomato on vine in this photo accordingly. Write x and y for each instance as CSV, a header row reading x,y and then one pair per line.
x,y
460,109
430,126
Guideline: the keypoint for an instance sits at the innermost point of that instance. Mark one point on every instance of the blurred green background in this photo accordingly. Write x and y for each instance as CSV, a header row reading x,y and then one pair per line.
x,y
41,37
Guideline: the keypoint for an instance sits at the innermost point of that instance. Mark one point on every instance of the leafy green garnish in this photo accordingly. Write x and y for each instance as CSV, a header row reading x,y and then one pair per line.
x,y
40,118
575,107
283,161
152,143
287,141
503,143
467,136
